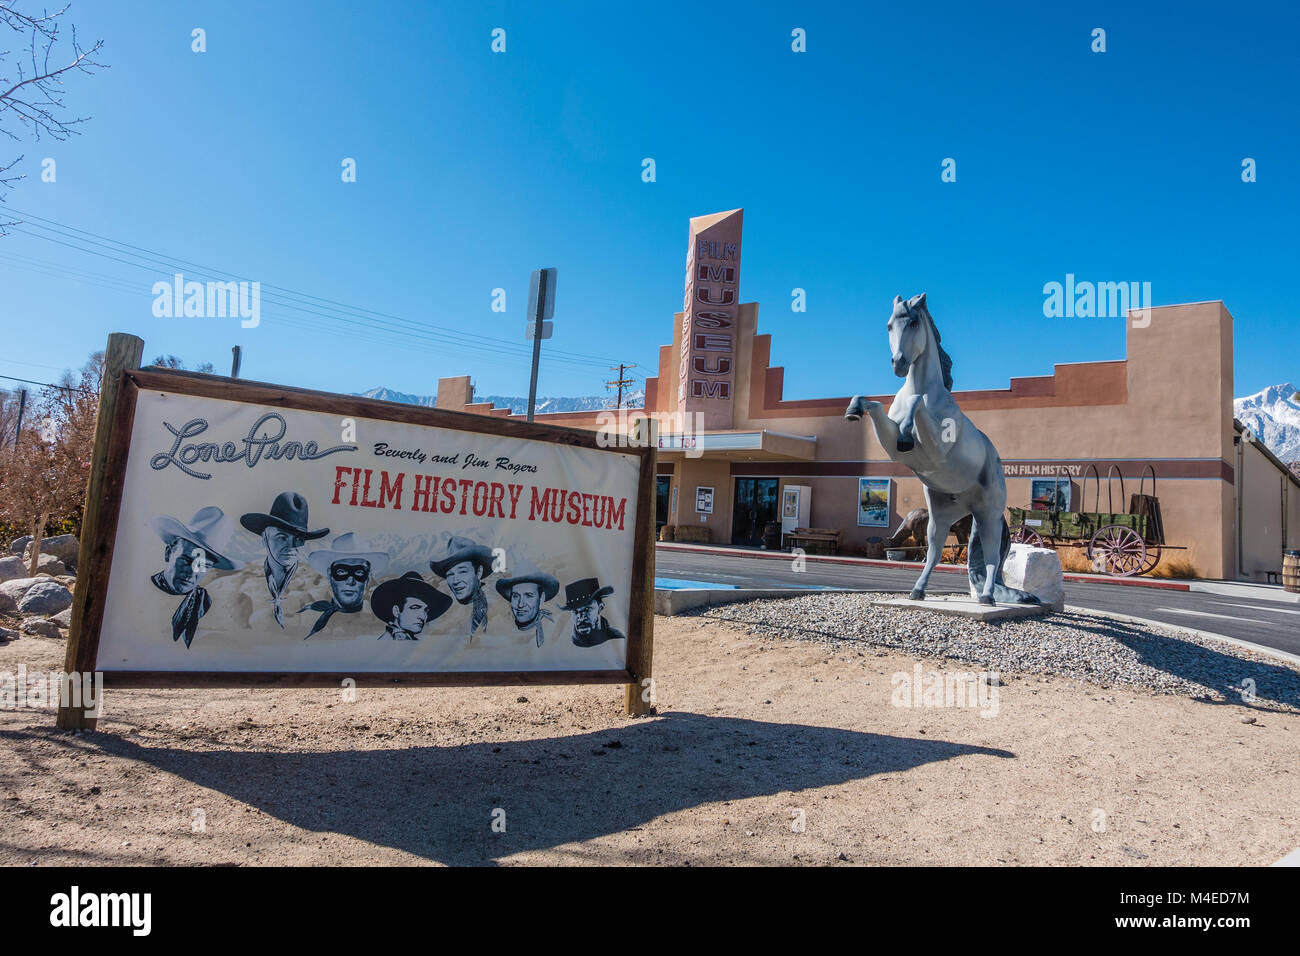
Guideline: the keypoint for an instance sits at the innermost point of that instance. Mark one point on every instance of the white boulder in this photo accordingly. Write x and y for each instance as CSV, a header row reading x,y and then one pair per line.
x,y
1038,571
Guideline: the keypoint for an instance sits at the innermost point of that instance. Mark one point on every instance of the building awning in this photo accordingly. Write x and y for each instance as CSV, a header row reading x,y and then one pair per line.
x,y
759,445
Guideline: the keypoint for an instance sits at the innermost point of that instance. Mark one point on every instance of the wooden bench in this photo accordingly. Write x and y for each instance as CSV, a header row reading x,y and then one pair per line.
x,y
816,540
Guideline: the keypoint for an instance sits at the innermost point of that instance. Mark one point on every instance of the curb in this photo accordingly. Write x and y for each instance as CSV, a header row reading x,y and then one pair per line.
x,y
669,602
1293,659
908,565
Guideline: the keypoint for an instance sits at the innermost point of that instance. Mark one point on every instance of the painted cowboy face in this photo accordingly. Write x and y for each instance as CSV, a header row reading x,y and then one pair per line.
x,y
184,564
412,615
525,603
587,617
348,582
283,547
463,580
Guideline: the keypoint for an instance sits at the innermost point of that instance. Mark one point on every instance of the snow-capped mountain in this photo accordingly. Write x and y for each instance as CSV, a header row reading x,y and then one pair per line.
x,y
632,398
1274,416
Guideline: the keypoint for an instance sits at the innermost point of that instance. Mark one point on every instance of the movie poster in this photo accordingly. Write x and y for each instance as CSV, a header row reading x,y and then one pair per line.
x,y
1049,494
279,540
873,502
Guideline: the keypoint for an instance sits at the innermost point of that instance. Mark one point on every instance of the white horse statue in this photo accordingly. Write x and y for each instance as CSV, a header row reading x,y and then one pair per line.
x,y
956,462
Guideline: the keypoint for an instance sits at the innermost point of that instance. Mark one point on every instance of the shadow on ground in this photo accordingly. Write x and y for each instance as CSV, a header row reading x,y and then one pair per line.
x,y
437,802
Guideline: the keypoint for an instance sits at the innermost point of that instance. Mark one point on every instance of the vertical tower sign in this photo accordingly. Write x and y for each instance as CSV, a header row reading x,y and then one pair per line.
x,y
707,369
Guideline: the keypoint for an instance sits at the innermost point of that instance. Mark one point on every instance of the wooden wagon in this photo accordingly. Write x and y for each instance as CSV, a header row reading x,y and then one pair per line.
x,y
1119,543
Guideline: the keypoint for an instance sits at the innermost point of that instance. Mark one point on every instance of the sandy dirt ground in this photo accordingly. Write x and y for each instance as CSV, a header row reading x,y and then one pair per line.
x,y
761,752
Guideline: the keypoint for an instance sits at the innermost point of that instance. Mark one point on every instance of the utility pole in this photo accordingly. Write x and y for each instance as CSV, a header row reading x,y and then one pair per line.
x,y
541,307
621,381
22,404
235,356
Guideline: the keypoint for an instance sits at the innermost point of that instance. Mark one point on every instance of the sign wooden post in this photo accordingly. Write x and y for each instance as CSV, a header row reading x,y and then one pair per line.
x,y
639,696
123,352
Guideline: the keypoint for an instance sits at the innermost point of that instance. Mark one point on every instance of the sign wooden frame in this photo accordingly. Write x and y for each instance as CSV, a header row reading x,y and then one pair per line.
x,y
100,534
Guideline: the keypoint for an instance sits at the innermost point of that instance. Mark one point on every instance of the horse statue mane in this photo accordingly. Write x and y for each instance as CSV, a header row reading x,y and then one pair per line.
x,y
945,360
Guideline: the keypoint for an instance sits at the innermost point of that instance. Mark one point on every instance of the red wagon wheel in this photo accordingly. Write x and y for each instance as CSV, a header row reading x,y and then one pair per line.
x,y
1023,535
1153,558
1121,551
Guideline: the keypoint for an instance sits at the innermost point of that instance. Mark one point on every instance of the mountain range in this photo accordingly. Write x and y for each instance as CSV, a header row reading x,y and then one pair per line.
x,y
518,405
1274,417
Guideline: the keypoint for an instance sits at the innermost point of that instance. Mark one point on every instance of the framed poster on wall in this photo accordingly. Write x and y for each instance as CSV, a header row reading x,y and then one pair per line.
x,y
703,500
873,502
790,503
1042,492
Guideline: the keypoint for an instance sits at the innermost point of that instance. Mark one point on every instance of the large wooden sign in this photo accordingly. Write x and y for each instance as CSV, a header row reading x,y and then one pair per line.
x,y
260,535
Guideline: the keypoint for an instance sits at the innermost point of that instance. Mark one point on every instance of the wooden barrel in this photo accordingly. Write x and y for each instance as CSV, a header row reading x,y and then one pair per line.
x,y
1291,572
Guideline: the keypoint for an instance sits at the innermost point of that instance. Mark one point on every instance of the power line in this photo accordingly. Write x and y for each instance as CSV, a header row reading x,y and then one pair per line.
x,y
66,388
350,314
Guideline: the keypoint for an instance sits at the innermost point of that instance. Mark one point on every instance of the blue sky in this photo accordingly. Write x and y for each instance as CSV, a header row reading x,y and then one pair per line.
x,y
474,168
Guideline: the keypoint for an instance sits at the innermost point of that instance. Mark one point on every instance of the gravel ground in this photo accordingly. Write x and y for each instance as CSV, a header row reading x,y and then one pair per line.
x,y
1079,646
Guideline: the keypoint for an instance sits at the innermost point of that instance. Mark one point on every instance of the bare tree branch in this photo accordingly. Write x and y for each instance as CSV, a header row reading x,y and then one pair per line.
x,y
33,82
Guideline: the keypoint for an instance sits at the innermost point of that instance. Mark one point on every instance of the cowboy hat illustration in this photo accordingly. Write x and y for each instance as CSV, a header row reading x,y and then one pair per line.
x,y
288,513
394,593
348,547
463,549
210,529
528,573
581,593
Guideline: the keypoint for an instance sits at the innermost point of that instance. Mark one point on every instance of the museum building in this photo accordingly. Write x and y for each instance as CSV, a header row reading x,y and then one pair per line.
x,y
747,454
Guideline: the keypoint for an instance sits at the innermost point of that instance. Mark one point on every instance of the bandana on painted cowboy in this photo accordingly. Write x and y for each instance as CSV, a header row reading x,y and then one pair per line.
x,y
330,608
536,624
392,630
478,619
278,596
185,619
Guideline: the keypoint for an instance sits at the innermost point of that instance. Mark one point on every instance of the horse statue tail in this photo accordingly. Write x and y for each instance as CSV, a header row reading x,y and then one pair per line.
x,y
975,569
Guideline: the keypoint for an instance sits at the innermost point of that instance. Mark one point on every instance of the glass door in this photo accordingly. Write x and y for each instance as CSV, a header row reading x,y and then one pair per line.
x,y
755,506
662,485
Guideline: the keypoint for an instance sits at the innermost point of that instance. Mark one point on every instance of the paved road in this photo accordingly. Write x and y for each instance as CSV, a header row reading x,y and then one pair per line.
x,y
1270,623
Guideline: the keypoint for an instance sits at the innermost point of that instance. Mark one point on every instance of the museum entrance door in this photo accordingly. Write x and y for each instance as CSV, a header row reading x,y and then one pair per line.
x,y
663,484
755,506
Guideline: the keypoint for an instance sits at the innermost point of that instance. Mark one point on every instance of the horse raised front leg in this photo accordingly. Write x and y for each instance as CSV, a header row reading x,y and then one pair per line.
x,y
857,408
907,427
886,427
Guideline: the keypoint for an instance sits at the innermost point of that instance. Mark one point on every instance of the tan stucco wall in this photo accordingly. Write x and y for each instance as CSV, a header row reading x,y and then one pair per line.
x,y
1169,402
1270,513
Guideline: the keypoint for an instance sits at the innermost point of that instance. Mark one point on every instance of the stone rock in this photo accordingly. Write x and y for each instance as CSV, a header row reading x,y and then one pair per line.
x,y
19,545
11,592
12,566
49,564
1038,571
44,598
69,581
63,618
40,627
8,635
65,547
